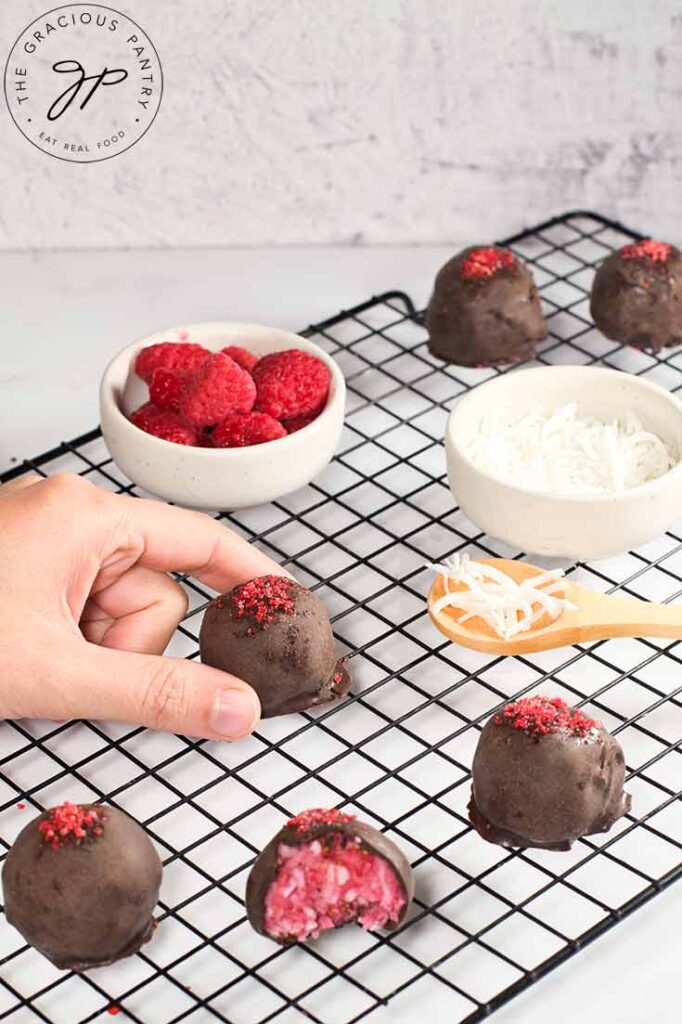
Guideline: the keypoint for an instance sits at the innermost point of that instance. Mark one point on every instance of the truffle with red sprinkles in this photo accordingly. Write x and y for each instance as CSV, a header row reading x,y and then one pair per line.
x,y
637,295
323,870
80,883
276,635
485,309
545,774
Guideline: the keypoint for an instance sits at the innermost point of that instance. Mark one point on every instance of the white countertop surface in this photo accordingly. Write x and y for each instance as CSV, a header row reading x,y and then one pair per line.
x,y
66,314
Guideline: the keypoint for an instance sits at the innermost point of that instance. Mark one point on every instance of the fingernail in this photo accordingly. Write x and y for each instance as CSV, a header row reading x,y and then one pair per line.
x,y
235,713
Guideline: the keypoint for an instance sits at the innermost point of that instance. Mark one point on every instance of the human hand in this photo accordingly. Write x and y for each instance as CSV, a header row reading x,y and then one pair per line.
x,y
86,608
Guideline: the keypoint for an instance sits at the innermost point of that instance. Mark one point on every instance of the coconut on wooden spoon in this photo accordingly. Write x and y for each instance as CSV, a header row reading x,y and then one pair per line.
x,y
507,607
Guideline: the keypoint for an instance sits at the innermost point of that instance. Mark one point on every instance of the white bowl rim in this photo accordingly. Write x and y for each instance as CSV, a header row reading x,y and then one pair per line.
x,y
336,393
651,486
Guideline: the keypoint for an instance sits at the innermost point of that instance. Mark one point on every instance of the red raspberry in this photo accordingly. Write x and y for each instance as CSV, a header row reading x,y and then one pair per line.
x,y
171,355
218,388
299,422
166,387
163,424
242,357
241,431
144,416
290,383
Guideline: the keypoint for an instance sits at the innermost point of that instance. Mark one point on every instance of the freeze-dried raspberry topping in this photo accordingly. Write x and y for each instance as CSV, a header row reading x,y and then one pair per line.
x,y
161,423
171,355
487,261
244,429
319,816
71,824
290,383
657,252
166,387
542,716
247,360
263,600
220,387
321,885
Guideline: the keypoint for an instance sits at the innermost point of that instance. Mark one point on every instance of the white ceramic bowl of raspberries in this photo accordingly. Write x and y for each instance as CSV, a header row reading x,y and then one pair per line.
x,y
211,429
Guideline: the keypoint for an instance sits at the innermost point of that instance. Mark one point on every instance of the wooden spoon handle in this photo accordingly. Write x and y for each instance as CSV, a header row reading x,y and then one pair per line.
x,y
603,616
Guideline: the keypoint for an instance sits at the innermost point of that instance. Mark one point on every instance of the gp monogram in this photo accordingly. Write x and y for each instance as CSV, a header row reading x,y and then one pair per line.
x,y
83,82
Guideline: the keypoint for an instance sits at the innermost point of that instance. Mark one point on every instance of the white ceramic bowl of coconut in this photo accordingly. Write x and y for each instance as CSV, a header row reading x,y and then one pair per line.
x,y
568,461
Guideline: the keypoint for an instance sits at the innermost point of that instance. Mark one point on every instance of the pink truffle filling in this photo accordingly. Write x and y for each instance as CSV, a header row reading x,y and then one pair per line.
x,y
323,885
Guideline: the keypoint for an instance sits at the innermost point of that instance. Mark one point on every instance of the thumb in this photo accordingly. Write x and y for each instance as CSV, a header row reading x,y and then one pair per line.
x,y
170,694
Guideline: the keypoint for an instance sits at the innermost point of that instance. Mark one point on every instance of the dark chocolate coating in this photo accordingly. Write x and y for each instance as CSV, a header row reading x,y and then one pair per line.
x,y
291,663
88,905
639,301
545,792
484,321
265,866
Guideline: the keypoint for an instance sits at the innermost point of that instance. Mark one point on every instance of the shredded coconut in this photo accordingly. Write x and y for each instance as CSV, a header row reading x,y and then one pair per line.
x,y
506,606
569,454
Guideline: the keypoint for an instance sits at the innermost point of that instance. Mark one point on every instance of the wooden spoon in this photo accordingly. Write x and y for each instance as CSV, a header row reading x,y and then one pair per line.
x,y
598,617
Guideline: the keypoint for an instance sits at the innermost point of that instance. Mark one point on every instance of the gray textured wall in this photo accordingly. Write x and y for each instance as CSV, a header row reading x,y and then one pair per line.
x,y
372,121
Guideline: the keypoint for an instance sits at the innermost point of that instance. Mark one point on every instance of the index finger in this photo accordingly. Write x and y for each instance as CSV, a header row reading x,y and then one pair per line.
x,y
179,540
19,483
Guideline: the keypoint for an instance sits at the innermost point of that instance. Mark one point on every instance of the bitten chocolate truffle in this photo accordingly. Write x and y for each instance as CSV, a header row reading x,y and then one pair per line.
x,y
545,774
325,869
80,884
485,309
276,635
637,295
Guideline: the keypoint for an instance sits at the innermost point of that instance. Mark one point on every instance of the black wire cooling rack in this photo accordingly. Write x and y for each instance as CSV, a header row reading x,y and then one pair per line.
x,y
486,922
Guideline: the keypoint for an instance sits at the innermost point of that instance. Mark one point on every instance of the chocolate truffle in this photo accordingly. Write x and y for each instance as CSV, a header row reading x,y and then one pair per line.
x,y
324,869
80,884
276,635
545,774
485,309
637,295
